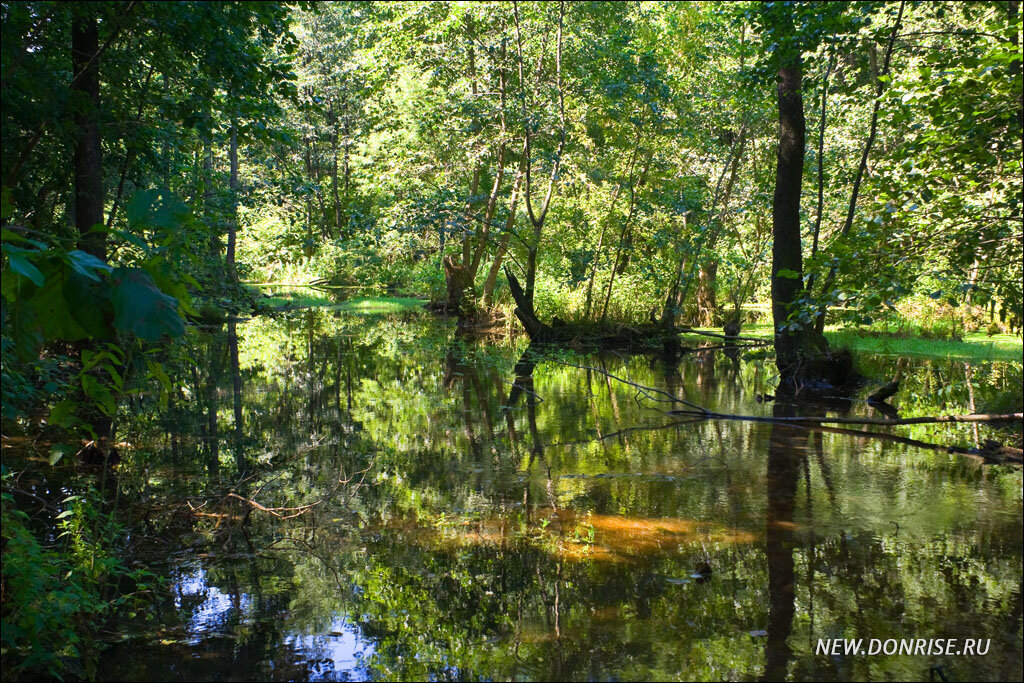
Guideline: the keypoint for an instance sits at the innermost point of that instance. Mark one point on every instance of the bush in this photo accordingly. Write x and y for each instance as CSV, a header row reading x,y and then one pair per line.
x,y
56,598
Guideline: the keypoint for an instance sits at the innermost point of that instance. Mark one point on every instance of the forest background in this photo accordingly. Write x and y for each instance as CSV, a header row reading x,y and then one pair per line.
x,y
621,160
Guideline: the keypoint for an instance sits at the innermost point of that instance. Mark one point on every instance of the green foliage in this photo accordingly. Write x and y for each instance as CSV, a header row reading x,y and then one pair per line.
x,y
57,598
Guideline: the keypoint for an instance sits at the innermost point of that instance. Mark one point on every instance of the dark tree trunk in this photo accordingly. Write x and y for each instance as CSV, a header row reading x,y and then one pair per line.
x,y
309,203
786,249
510,223
209,210
524,310
236,391
334,173
88,159
819,321
707,306
792,344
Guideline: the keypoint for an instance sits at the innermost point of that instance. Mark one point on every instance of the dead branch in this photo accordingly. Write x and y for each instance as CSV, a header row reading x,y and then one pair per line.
x,y
646,390
687,330
1006,417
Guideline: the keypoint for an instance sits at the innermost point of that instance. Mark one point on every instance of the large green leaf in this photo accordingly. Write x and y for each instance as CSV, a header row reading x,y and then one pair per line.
x,y
141,308
87,265
54,314
18,259
89,302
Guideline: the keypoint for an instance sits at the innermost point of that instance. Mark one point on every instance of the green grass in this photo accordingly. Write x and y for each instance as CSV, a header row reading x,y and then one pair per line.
x,y
379,304
298,298
975,346
304,297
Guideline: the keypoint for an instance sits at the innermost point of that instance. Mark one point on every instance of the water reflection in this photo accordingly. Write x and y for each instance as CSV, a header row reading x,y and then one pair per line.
x,y
452,510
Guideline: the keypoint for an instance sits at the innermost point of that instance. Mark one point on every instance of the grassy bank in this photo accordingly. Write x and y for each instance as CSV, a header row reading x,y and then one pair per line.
x,y
295,298
975,346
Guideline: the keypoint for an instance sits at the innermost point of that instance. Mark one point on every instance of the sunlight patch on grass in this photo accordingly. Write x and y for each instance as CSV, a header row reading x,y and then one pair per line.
x,y
975,346
379,304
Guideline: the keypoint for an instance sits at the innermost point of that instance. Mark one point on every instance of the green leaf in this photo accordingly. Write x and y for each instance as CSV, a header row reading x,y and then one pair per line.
x,y
87,265
141,308
56,317
61,412
22,266
103,397
138,207
58,451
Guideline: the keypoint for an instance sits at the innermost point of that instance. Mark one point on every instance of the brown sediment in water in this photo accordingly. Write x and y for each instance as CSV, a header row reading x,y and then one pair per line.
x,y
576,536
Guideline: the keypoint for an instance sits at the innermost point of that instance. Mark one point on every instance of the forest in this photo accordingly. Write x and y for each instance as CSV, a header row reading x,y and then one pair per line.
x,y
547,340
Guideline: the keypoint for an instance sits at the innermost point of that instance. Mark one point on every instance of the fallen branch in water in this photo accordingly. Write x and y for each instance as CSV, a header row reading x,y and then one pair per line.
x,y
991,456
686,330
698,410
817,423
1005,417
720,347
303,509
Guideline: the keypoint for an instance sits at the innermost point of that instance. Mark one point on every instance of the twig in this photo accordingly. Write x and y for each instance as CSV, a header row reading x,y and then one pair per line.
x,y
301,509
522,388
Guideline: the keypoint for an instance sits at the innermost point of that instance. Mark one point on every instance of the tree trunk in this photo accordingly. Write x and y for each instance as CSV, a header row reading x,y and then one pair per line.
x,y
707,306
208,196
791,342
88,159
236,391
334,174
485,228
625,236
674,298
524,310
819,322
784,445
459,287
309,203
506,236
233,218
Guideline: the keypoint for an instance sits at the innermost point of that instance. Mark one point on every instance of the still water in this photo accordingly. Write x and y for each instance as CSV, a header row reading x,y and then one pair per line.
x,y
429,507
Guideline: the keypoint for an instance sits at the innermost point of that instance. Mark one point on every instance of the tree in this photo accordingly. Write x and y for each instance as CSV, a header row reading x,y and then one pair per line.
x,y
794,342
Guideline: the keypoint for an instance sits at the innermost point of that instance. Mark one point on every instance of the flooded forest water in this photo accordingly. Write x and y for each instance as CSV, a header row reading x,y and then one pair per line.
x,y
365,496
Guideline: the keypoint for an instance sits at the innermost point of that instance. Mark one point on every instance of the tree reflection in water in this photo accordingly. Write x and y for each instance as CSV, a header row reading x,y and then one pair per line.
x,y
524,519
